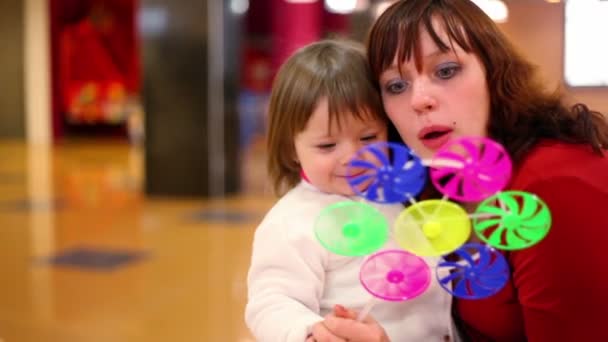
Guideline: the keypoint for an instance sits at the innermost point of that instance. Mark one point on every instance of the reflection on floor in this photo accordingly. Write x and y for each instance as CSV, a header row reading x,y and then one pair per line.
x,y
85,257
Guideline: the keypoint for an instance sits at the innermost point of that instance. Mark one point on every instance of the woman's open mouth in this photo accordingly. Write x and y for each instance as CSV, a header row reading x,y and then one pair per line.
x,y
433,137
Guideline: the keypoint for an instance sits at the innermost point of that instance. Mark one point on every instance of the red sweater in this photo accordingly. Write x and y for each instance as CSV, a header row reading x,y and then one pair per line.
x,y
558,290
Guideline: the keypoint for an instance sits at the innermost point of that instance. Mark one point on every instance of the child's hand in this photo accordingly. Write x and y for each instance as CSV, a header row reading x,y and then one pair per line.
x,y
341,325
320,333
342,312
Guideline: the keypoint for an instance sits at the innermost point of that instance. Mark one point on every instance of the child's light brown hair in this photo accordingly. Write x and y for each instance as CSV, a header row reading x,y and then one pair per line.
x,y
335,69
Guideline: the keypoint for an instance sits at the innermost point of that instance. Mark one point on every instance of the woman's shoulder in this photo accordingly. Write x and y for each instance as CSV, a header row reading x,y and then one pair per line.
x,y
551,159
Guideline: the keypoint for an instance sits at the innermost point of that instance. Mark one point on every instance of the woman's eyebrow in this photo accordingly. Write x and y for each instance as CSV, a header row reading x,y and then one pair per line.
x,y
437,52
392,68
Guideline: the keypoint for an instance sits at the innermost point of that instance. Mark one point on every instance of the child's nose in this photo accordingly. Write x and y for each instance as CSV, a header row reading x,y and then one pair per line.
x,y
350,153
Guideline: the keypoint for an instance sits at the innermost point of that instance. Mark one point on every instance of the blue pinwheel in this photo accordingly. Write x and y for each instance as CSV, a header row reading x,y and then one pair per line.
x,y
479,272
386,173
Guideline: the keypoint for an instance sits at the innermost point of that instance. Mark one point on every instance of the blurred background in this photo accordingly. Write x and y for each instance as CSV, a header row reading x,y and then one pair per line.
x,y
132,158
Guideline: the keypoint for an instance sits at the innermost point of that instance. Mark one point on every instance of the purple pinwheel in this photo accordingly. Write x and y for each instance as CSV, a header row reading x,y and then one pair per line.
x,y
479,272
386,173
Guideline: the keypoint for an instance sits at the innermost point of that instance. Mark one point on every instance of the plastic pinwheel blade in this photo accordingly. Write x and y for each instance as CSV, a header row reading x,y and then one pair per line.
x,y
432,228
470,169
481,272
395,275
351,228
522,220
386,173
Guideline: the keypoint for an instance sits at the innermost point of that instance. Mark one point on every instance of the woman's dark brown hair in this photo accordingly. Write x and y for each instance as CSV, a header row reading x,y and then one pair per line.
x,y
336,69
521,110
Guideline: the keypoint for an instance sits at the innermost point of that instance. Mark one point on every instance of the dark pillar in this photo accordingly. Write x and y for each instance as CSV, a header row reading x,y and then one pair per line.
x,y
12,115
189,97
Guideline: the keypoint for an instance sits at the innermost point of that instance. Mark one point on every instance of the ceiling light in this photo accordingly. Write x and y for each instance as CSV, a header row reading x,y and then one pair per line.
x,y
300,1
239,6
340,6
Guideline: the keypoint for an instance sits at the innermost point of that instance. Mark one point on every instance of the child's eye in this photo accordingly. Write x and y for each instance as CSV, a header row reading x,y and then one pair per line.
x,y
370,137
326,147
447,71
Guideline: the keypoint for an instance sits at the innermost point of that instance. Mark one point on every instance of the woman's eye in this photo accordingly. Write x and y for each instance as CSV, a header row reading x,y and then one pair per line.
x,y
396,87
448,71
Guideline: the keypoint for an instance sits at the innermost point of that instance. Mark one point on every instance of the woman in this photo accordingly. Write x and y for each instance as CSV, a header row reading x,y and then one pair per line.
x,y
446,71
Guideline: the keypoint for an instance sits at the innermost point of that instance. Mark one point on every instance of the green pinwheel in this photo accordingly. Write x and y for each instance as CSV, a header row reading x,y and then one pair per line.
x,y
512,220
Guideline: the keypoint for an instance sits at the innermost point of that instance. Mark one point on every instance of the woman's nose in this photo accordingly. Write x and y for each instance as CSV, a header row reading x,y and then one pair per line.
x,y
422,99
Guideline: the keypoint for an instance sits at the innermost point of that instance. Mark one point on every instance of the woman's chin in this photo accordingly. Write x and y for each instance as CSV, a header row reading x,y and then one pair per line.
x,y
423,152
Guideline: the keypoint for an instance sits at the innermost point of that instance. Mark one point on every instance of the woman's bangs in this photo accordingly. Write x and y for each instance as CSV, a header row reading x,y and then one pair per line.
x,y
398,38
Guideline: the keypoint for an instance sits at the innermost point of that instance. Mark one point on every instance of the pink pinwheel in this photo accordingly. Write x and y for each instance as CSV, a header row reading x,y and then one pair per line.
x,y
471,169
394,275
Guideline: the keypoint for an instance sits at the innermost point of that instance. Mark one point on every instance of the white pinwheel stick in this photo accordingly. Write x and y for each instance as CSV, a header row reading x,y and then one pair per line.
x,y
366,309
442,163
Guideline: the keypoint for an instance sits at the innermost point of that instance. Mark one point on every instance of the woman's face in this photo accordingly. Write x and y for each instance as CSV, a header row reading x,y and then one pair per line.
x,y
448,98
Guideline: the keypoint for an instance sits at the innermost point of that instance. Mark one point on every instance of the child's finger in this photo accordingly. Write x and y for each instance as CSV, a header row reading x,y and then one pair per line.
x,y
342,312
351,330
321,333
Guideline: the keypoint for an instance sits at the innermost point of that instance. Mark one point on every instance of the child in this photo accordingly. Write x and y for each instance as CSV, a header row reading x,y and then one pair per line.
x,y
323,109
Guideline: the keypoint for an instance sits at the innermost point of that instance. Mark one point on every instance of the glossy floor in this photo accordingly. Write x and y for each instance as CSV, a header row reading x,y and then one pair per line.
x,y
86,257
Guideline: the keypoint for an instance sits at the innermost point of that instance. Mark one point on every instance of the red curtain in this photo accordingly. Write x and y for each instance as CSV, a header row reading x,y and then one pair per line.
x,y
96,71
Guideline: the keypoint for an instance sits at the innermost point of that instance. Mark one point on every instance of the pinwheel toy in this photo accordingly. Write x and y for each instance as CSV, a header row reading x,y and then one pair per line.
x,y
470,169
351,228
512,220
386,173
432,228
479,272
393,275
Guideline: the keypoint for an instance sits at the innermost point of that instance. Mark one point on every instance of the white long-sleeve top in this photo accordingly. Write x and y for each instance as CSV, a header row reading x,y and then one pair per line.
x,y
294,281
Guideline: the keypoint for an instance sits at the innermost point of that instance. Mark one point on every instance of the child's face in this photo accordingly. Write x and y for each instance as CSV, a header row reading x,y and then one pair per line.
x,y
324,154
